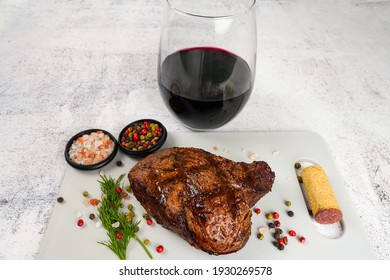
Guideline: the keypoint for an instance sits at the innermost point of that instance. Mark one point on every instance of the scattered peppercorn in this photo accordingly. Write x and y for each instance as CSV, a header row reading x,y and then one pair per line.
x,y
279,230
118,190
160,248
80,222
85,193
128,188
269,216
146,216
260,236
297,165
149,222
280,240
92,216
119,163
292,233
60,199
130,207
119,235
257,210
121,205
146,242
299,179
129,218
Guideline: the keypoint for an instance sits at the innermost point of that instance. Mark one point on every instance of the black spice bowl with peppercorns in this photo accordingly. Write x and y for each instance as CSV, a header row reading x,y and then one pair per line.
x,y
142,137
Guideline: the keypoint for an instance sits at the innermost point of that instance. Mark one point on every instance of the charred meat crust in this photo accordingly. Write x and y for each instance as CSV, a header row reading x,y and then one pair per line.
x,y
202,197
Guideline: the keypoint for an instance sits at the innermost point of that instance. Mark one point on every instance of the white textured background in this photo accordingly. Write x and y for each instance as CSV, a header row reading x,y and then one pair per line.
x,y
68,65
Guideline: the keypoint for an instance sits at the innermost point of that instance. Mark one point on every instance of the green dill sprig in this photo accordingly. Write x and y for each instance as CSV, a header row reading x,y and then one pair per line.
x,y
109,215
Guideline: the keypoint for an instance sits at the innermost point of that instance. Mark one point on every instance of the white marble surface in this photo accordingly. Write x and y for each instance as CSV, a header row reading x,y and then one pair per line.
x,y
65,66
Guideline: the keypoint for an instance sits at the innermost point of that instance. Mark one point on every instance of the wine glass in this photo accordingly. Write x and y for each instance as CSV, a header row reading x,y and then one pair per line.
x,y
207,60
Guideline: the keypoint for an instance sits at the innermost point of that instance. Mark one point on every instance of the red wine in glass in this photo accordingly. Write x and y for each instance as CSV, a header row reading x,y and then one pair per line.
x,y
207,60
205,87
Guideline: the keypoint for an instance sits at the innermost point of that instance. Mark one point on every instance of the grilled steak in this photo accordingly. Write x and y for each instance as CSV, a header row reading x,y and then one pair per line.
x,y
204,198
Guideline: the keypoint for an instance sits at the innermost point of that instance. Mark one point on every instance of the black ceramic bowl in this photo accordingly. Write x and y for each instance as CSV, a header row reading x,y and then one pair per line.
x,y
90,166
145,151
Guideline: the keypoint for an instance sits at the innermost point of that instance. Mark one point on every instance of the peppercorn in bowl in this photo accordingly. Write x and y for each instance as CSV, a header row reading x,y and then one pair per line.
x,y
142,137
91,149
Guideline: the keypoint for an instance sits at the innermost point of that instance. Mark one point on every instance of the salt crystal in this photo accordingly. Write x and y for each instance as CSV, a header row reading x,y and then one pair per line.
x,y
98,224
253,156
101,173
97,143
78,214
275,153
244,150
263,230
115,225
87,150
225,150
87,145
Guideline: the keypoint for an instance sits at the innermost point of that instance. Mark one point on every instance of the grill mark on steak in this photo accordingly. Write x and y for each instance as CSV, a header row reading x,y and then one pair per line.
x,y
202,197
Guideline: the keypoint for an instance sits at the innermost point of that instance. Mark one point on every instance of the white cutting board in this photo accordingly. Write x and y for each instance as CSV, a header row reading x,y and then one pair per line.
x,y
65,240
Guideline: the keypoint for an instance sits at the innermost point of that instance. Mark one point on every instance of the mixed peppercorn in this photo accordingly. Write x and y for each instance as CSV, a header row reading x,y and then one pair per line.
x,y
141,135
124,193
280,240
